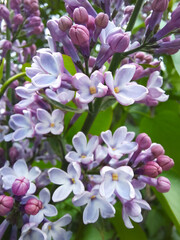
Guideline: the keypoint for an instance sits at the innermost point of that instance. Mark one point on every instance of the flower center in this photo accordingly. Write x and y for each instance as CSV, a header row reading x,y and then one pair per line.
x,y
72,180
83,156
116,89
49,227
52,125
115,177
92,90
93,197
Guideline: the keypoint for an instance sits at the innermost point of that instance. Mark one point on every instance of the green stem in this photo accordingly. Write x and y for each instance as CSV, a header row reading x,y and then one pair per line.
x,y
8,54
9,81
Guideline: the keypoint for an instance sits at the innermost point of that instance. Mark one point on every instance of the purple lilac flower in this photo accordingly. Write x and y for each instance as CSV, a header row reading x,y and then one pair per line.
x,y
22,125
49,123
46,70
55,231
30,231
84,151
88,89
61,95
69,181
3,130
120,143
95,204
19,170
124,91
48,210
117,181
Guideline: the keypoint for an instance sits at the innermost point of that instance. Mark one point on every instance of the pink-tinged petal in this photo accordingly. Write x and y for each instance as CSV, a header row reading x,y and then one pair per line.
x,y
126,219
154,80
125,190
74,170
62,193
137,219
43,80
97,77
124,75
42,128
20,168
43,116
80,142
128,147
91,213
119,136
92,144
44,196
80,79
109,81
130,136
48,63
102,90
82,199
143,204
78,187
50,210
58,129
125,172
163,98
20,120
155,92
38,218
25,103
57,82
133,209
32,189
124,100
106,209
34,173
58,176
57,115
107,137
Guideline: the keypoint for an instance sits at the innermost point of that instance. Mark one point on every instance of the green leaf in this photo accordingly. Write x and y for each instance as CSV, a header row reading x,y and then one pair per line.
x,y
176,61
170,201
24,70
1,69
68,64
123,232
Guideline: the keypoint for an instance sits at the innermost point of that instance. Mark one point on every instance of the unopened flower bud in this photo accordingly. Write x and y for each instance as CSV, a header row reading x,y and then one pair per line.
x,y
80,15
143,141
33,206
140,56
65,23
152,169
165,162
79,35
163,184
138,72
20,186
4,13
118,42
102,20
160,5
6,204
129,9
157,150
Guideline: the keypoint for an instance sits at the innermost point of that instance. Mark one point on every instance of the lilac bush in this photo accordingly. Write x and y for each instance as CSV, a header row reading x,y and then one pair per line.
x,y
58,148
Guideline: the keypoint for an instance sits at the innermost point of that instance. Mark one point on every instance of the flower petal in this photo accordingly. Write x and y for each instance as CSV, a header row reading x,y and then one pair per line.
x,y
62,193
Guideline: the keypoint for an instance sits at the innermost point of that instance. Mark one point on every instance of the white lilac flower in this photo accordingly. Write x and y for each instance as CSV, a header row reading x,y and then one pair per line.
x,y
3,130
124,91
19,170
55,231
84,151
89,88
49,123
117,181
132,209
69,181
22,125
30,231
120,142
95,204
61,95
46,70
48,210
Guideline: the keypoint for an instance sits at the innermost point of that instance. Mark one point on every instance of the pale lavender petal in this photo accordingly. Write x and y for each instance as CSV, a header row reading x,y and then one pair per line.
x,y
57,129
143,204
43,116
74,170
130,136
42,128
62,193
107,137
38,218
91,213
78,187
31,71
51,94
92,144
134,91
59,61
80,142
106,209
107,187
73,157
128,147
50,210
43,80
20,120
65,220
125,172
124,100
58,176
137,219
57,115
82,199
119,136
32,189
48,63
8,180
125,190
20,168
44,196
124,75
126,219
34,173
109,81
155,92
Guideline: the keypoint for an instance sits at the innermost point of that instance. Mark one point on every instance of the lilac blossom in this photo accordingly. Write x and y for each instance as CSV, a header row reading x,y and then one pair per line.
x,y
55,231
3,130
88,89
46,70
19,170
120,143
95,204
49,123
22,125
69,181
117,181
31,231
84,151
124,91
61,95
48,210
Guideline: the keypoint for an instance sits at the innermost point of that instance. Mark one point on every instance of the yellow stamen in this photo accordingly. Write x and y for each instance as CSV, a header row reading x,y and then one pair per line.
x,y
92,90
52,125
73,180
93,197
115,177
83,156
49,227
116,89
113,149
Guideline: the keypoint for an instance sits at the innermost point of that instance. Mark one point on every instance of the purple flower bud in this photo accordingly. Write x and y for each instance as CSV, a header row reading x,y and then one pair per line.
x,y
6,204
157,150
13,154
163,184
18,19
20,186
79,35
139,71
151,169
129,9
140,56
33,206
65,23
4,13
80,15
91,25
102,20
7,45
165,162
160,5
118,42
144,141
